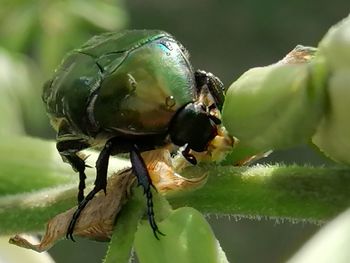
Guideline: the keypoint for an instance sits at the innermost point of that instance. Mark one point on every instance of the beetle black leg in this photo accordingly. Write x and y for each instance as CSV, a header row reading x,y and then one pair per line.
x,y
141,172
114,146
100,184
68,151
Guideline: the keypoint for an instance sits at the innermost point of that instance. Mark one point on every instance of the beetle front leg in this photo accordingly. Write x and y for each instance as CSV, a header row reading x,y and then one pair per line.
x,y
140,170
68,150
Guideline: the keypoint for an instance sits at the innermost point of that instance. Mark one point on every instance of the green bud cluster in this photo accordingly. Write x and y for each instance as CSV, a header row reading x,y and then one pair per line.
x,y
301,98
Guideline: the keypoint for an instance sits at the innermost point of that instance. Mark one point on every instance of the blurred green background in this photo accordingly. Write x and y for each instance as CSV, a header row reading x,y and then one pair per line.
x,y
225,37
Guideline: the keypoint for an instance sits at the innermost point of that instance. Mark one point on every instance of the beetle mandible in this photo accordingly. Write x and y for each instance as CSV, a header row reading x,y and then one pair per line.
x,y
129,92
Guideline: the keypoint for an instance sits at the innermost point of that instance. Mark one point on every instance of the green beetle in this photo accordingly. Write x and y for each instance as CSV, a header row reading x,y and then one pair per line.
x,y
129,92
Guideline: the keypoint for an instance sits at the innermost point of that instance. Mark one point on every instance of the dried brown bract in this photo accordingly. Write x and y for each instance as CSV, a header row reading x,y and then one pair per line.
x,y
96,220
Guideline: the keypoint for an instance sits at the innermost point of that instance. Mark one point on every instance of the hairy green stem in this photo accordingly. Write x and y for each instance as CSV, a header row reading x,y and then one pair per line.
x,y
300,193
274,191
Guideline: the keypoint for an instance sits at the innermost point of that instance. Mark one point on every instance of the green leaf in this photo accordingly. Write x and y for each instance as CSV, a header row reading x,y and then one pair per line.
x,y
120,247
188,239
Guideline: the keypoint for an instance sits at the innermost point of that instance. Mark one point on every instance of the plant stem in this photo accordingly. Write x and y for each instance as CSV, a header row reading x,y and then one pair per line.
x,y
273,191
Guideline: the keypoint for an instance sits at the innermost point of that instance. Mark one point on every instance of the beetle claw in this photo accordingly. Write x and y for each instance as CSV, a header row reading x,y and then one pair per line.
x,y
152,185
69,234
150,214
156,232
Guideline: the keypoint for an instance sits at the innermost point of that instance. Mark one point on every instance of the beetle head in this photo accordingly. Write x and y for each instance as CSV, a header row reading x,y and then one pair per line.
x,y
195,126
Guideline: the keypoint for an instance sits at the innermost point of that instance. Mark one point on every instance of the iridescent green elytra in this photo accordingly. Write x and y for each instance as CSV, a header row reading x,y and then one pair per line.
x,y
120,82
130,92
